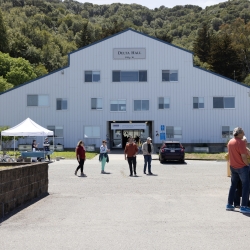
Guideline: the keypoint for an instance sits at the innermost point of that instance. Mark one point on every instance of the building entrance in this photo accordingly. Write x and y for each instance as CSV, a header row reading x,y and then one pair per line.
x,y
120,132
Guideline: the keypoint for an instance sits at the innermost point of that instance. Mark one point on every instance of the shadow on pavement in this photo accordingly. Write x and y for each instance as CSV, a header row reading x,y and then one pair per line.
x,y
22,207
173,163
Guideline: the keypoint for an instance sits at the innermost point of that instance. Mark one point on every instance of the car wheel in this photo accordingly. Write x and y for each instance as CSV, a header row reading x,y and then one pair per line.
x,y
161,160
182,160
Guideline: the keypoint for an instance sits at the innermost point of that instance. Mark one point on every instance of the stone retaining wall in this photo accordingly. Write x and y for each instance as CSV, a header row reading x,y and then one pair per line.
x,y
21,183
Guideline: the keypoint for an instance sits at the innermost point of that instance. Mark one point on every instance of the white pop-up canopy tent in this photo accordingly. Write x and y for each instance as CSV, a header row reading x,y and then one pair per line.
x,y
27,128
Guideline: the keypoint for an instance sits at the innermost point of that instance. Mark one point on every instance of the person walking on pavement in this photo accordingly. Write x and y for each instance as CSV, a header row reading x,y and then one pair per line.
x,y
130,152
103,157
147,150
239,170
80,156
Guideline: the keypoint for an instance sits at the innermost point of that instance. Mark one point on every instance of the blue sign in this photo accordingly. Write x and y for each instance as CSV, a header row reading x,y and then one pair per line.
x,y
162,127
162,136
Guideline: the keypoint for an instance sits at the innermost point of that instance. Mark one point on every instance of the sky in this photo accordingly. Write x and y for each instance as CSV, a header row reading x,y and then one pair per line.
x,y
157,3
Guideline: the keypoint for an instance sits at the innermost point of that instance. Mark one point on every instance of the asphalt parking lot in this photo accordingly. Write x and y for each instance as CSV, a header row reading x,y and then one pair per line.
x,y
181,207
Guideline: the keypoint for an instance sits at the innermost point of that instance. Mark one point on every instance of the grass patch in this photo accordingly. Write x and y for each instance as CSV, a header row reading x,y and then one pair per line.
x,y
91,155
65,154
205,156
72,154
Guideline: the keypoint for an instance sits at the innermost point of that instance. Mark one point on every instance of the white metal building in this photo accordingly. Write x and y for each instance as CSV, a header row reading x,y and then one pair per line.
x,y
130,84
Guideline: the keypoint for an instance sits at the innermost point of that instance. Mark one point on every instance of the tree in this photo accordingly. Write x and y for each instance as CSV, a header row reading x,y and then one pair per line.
x,y
20,71
240,35
247,80
4,44
224,58
164,35
51,57
84,37
202,43
40,70
5,63
4,85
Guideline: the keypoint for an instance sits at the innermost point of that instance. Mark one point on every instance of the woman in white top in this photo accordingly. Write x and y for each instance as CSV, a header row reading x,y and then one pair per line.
x,y
103,158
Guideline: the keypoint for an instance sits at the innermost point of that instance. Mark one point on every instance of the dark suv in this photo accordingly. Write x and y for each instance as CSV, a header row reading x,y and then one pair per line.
x,y
171,150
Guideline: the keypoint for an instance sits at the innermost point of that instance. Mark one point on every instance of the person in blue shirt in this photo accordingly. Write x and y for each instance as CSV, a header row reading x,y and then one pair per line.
x,y
103,157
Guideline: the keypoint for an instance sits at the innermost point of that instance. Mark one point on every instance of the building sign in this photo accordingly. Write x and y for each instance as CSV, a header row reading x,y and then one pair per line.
x,y
129,54
123,126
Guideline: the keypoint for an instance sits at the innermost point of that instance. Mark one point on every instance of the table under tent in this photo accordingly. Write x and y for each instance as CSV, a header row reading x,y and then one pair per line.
x,y
29,128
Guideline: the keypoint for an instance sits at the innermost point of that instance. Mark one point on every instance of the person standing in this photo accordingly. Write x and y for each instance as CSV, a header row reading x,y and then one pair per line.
x,y
34,149
130,152
147,150
80,156
239,170
46,146
103,157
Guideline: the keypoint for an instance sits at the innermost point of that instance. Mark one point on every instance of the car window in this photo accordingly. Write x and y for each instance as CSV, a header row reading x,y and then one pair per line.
x,y
172,145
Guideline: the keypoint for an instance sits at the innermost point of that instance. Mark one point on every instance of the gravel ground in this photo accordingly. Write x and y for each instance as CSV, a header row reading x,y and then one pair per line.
x,y
181,207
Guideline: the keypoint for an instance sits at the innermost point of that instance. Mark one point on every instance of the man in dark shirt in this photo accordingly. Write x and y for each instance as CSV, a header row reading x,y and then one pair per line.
x,y
147,150
46,146
130,155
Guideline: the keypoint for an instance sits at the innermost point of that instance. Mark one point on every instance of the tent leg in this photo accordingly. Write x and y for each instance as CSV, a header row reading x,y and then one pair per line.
x,y
14,148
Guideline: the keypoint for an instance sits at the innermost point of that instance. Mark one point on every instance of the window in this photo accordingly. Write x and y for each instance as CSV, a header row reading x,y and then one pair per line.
x,y
129,76
92,76
223,102
61,104
141,105
163,103
38,100
169,75
92,132
96,103
118,105
227,131
173,132
198,102
58,130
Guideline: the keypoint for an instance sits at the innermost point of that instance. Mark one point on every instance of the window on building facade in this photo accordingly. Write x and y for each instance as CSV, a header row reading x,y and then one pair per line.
x,y
92,132
38,100
227,132
58,130
173,132
129,76
96,103
163,103
61,104
92,76
198,102
118,105
223,102
169,75
141,105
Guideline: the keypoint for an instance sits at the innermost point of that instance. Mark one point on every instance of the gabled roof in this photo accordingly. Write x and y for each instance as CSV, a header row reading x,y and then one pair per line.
x,y
135,31
109,37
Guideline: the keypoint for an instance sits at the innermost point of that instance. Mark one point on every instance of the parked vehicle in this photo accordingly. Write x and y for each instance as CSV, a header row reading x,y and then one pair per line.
x,y
171,150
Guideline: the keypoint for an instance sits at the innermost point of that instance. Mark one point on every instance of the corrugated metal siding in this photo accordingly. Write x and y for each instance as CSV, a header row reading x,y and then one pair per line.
x,y
197,125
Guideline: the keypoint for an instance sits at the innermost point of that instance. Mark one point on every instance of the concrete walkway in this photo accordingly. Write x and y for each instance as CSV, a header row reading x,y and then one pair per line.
x,y
181,207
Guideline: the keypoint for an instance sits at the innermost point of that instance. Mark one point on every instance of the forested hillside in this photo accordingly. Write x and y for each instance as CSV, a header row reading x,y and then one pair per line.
x,y
37,35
